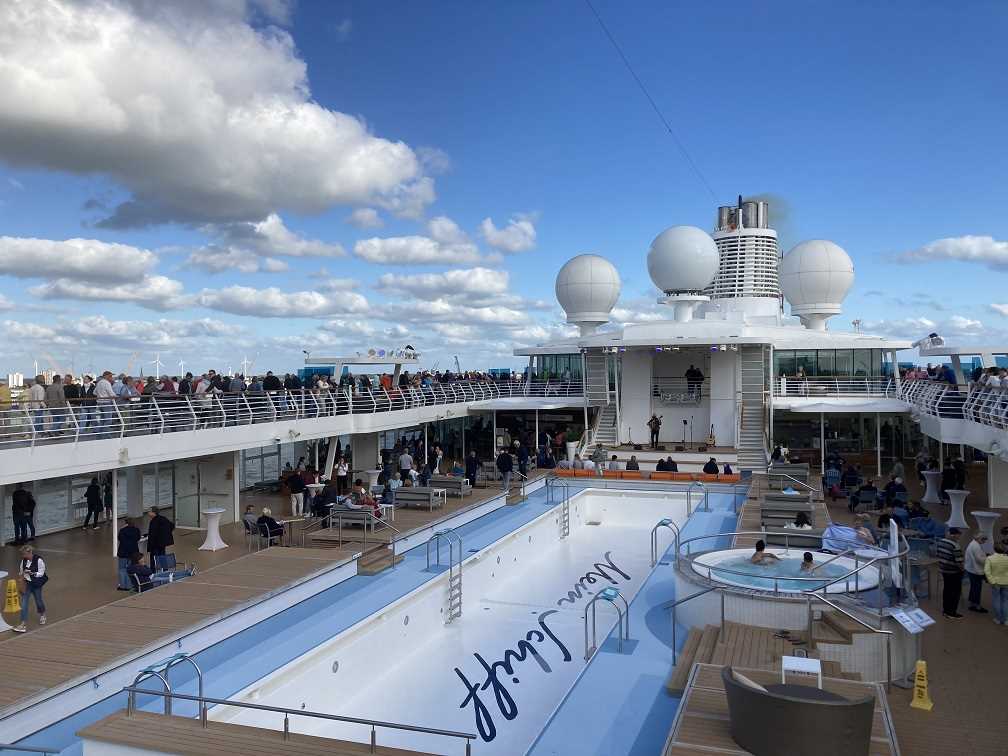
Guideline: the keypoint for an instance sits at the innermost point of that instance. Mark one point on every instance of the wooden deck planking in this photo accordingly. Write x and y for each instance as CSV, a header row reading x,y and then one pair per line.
x,y
81,646
187,737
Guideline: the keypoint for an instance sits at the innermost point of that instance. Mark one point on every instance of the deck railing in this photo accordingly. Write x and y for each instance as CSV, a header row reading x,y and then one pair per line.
x,y
877,387
29,423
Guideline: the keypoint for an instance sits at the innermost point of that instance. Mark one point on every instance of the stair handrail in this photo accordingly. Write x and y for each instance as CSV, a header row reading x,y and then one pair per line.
x,y
771,474
809,595
372,723
609,594
665,522
689,496
848,552
673,605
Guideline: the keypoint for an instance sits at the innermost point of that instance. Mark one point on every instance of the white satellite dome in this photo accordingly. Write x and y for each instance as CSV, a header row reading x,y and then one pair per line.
x,y
587,287
815,277
682,259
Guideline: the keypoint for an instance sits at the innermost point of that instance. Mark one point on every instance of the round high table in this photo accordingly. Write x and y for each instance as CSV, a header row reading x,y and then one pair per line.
x,y
315,488
372,477
957,498
213,541
985,522
4,627
932,495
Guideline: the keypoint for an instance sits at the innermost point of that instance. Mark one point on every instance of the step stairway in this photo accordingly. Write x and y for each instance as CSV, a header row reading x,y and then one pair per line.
x,y
597,377
751,446
758,648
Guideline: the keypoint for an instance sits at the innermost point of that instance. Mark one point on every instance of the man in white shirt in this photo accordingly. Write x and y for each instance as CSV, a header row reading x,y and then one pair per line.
x,y
36,401
974,564
104,396
405,466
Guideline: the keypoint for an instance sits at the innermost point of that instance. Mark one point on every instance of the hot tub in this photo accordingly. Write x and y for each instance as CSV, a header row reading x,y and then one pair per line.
x,y
736,569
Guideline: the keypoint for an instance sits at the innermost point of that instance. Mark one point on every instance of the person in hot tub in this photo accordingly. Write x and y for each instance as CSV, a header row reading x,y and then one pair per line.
x,y
762,555
808,563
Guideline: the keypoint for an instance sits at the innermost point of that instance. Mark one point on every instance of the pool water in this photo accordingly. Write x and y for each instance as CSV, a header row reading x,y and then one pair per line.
x,y
762,575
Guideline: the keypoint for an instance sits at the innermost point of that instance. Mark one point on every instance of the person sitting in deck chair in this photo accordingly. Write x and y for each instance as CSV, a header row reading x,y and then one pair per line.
x,y
273,528
140,571
361,499
761,555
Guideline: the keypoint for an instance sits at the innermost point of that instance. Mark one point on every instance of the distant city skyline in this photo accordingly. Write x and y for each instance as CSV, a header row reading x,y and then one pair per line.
x,y
219,180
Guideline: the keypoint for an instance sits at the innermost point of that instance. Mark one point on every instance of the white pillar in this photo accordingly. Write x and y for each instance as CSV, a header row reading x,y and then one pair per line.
x,y
537,431
616,379
878,443
822,443
236,484
463,440
896,375
115,511
330,457
493,441
134,491
584,387
316,454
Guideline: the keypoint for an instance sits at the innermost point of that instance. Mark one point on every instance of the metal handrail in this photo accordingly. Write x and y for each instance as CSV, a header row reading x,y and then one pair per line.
x,y
689,496
608,594
673,605
809,595
848,552
30,749
372,723
663,523
772,474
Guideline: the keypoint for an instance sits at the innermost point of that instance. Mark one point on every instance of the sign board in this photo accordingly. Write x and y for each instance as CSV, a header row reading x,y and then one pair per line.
x,y
921,617
909,624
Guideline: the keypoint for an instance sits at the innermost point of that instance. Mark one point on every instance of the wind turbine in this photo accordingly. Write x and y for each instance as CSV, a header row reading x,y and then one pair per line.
x,y
156,362
181,367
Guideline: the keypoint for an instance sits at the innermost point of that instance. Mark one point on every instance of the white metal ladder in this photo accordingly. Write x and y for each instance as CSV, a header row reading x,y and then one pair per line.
x,y
454,540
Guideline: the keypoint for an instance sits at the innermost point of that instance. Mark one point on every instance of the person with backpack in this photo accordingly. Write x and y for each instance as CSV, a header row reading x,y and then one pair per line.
x,y
32,576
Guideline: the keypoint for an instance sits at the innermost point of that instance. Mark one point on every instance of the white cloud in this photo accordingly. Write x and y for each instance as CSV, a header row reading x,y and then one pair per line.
x,y
365,217
271,238
213,259
153,292
962,324
274,303
446,244
519,235
13,183
231,133
1001,309
78,259
478,281
5,303
913,328
435,160
329,283
99,331
978,249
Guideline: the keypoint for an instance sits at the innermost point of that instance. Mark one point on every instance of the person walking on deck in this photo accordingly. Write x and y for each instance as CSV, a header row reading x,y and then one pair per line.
x,y
996,572
93,497
128,544
950,564
974,564
33,576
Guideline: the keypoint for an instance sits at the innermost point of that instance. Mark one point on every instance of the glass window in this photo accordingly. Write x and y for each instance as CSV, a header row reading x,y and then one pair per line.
x,y
827,362
784,363
862,362
806,360
844,362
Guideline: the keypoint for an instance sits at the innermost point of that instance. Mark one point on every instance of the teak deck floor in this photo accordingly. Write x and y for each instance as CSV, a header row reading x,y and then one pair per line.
x,y
53,656
186,737
701,725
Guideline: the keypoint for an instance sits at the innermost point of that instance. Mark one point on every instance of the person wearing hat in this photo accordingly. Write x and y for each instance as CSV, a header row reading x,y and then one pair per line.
x,y
950,564
974,564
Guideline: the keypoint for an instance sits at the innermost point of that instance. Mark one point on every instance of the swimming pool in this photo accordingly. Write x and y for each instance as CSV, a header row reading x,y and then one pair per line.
x,y
737,569
503,667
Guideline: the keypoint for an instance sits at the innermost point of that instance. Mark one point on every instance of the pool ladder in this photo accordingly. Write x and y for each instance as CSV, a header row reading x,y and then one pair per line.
x,y
454,540
551,484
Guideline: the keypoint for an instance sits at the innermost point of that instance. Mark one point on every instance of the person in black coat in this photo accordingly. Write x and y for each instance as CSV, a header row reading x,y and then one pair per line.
x,y
159,533
128,545
506,466
523,459
142,572
711,467
93,497
472,466
23,512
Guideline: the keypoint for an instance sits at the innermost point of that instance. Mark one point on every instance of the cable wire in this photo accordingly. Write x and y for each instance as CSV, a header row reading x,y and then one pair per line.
x,y
650,99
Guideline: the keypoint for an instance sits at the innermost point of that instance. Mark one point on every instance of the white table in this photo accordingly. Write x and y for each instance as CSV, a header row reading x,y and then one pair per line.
x,y
372,478
387,511
932,494
957,498
443,493
4,627
985,522
315,488
800,665
213,541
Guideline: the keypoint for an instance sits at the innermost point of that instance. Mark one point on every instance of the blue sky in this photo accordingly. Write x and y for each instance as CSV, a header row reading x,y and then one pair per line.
x,y
244,135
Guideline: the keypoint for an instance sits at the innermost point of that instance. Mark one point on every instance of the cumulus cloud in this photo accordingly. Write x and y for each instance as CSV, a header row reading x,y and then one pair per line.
x,y
100,332
231,134
434,160
271,238
446,244
219,259
1001,309
985,250
365,217
79,259
274,303
5,303
152,292
478,281
914,328
519,235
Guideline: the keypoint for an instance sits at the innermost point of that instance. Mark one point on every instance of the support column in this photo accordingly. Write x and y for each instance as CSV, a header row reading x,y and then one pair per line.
x,y
426,453
616,379
493,441
537,431
236,484
134,491
878,443
896,375
463,440
822,443
584,388
315,445
115,511
330,457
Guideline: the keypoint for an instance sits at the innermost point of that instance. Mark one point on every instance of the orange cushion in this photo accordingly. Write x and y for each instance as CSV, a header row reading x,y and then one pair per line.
x,y
564,472
584,473
708,478
610,473
681,476
630,474
661,475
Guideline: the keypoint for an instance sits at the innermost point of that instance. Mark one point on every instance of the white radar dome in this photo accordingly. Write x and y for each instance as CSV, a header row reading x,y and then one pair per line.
x,y
587,287
815,277
682,259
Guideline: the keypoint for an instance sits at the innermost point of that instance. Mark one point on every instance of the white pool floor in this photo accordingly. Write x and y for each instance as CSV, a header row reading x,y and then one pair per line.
x,y
415,680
